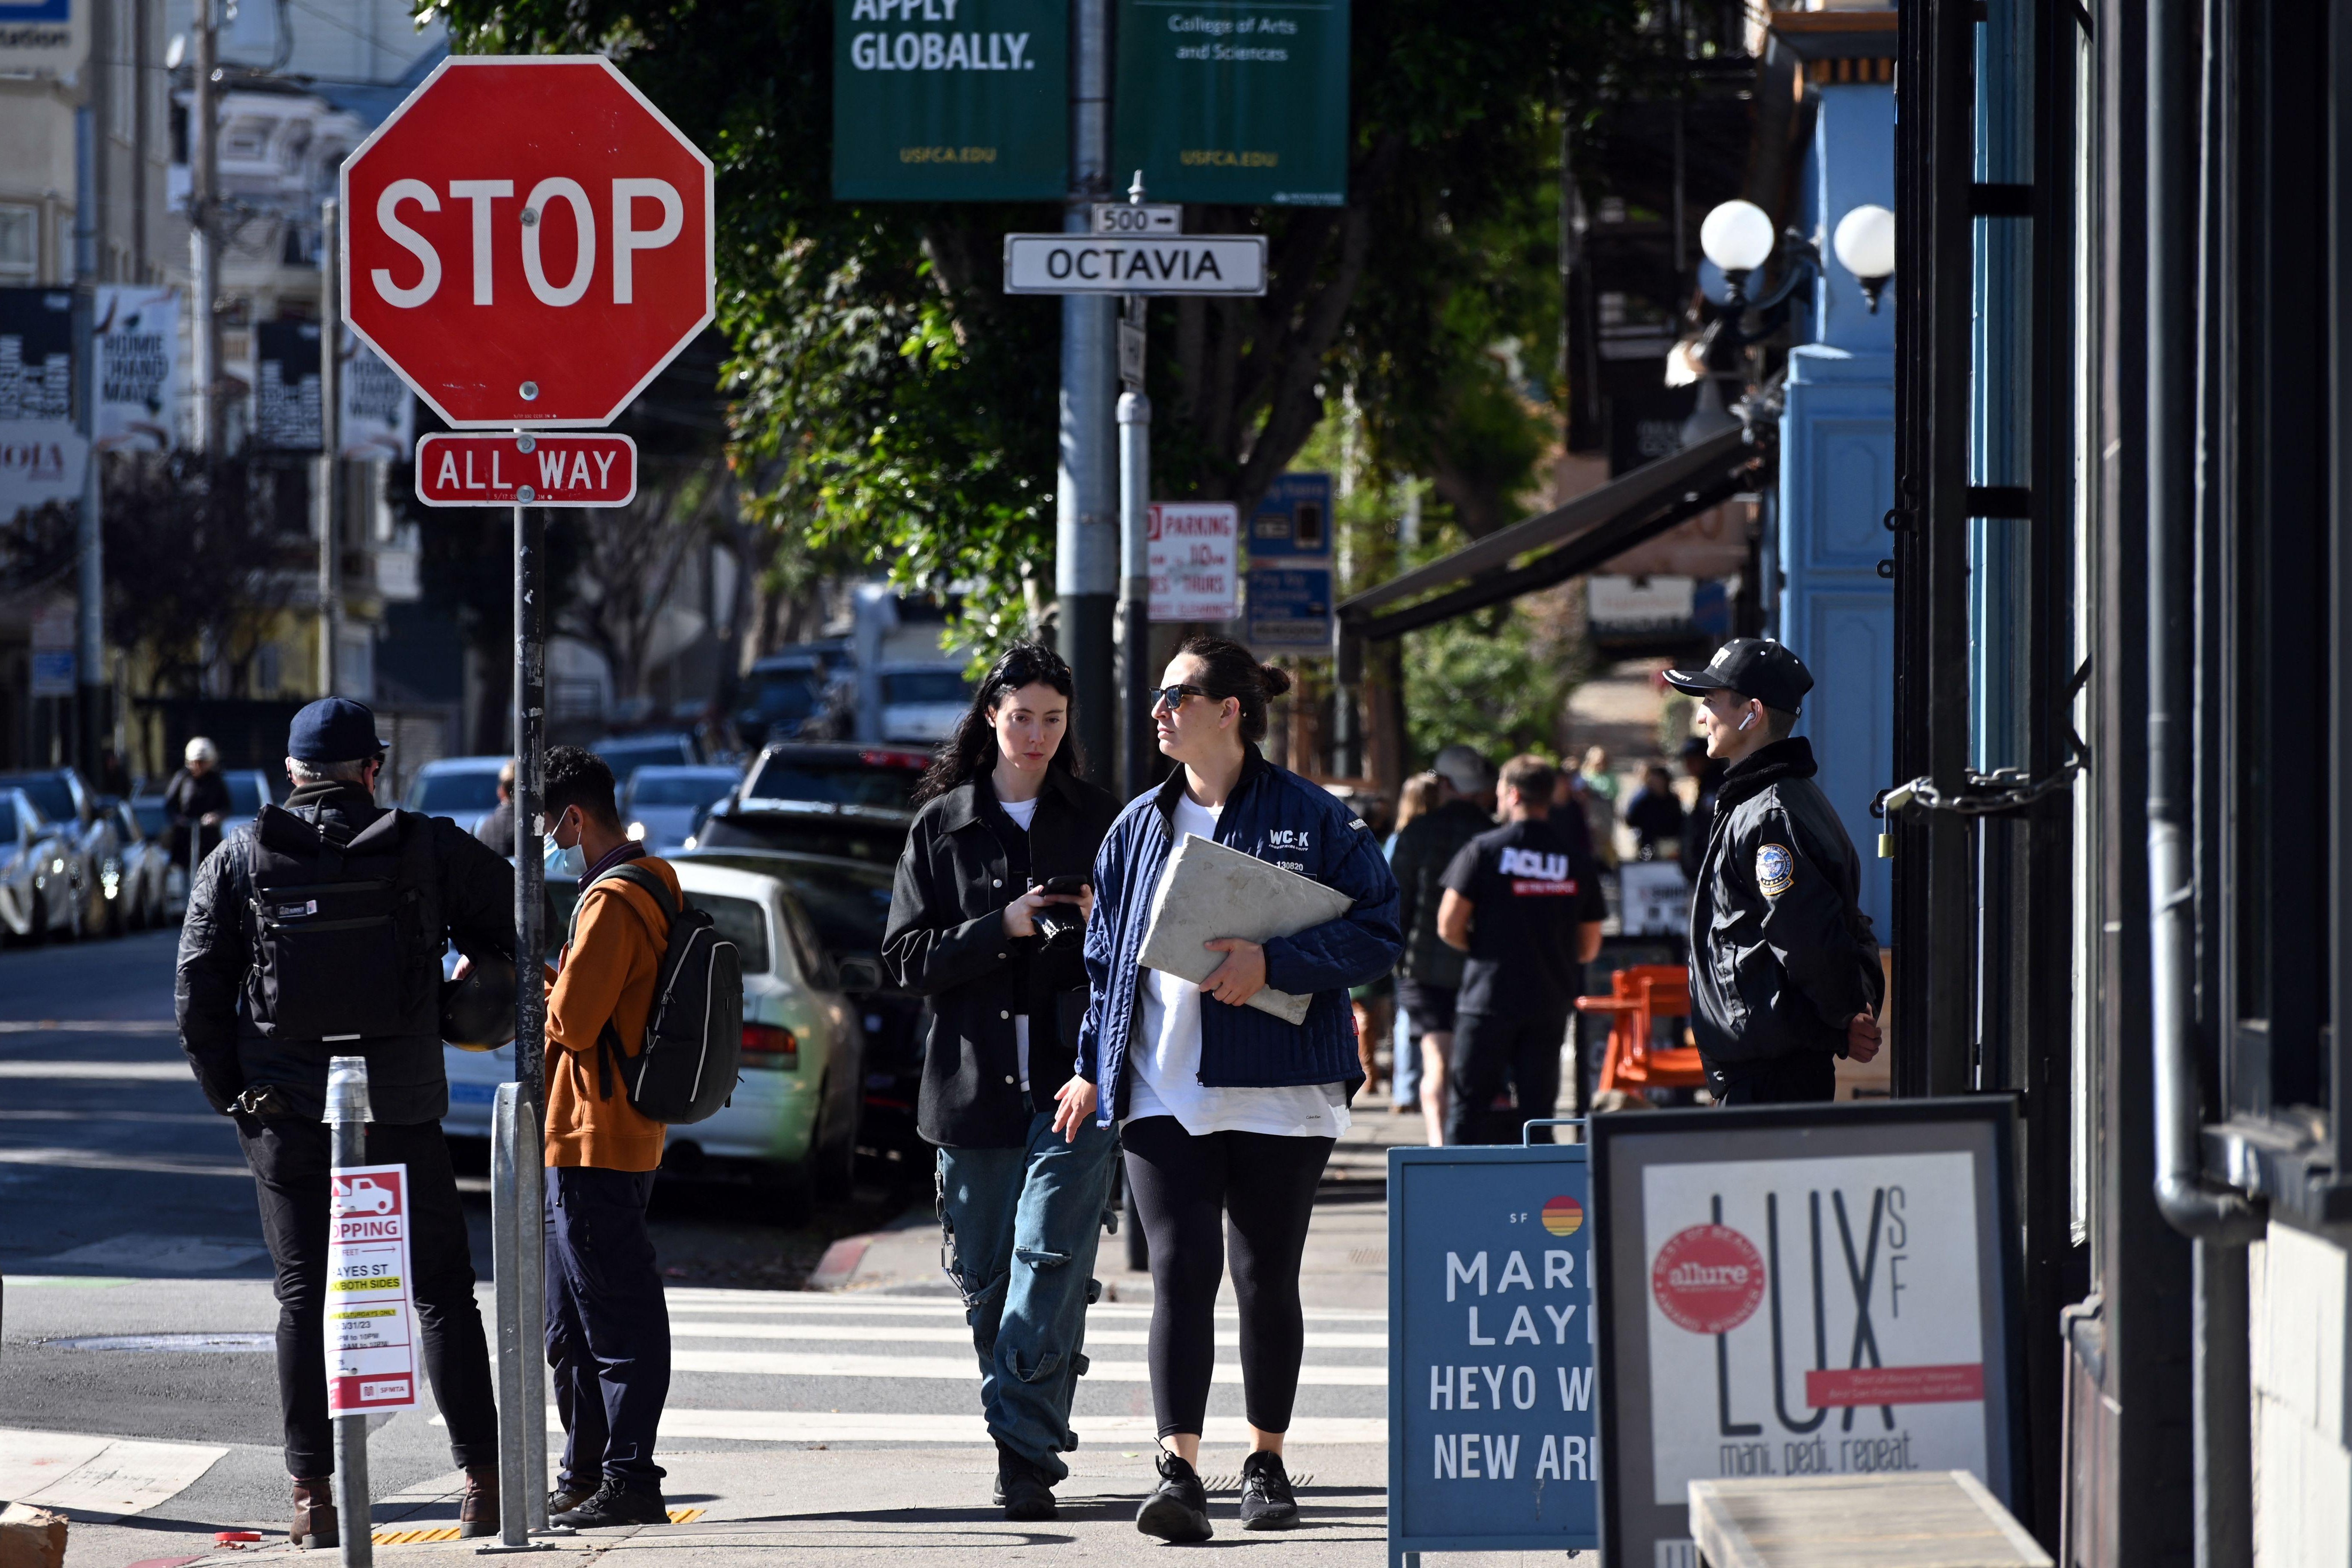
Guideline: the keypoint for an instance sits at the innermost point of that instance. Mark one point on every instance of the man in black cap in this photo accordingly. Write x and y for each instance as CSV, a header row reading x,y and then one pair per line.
x,y
314,931
1784,969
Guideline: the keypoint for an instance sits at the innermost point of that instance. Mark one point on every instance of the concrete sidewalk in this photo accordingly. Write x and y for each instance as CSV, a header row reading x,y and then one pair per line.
x,y
842,1502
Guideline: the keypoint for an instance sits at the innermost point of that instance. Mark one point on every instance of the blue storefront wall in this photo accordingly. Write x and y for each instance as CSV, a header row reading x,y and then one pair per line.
x,y
1837,482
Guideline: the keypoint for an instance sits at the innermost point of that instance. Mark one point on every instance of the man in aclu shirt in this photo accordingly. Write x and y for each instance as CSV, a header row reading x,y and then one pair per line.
x,y
1784,969
1524,900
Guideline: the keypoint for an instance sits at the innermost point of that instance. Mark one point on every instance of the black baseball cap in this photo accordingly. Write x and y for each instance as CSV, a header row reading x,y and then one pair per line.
x,y
1751,667
334,730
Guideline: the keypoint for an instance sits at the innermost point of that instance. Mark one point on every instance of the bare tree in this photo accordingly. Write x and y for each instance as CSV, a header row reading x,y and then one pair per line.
x,y
630,560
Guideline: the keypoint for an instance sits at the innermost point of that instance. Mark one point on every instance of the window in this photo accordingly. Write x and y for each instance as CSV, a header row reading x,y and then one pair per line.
x,y
742,922
844,781
20,243
926,686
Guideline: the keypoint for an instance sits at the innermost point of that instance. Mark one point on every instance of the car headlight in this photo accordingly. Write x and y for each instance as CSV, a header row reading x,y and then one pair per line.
x,y
636,833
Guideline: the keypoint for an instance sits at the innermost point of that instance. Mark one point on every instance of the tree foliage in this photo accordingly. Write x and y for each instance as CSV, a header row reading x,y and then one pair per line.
x,y
895,410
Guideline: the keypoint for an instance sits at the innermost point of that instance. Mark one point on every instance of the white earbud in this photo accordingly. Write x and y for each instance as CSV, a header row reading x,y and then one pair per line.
x,y
1749,720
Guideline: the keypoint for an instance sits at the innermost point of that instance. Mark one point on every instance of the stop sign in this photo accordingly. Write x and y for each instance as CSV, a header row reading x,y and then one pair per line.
x,y
527,241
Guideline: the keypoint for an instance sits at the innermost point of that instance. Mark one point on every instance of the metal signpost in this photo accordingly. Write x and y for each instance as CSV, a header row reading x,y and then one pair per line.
x,y
372,1361
1491,1417
527,242
1803,1290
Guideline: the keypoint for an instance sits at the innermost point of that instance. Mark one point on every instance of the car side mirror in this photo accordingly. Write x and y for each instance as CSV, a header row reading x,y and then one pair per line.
x,y
860,976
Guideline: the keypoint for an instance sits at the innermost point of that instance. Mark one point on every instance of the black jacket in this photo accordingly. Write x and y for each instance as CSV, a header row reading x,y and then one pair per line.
x,y
1423,850
1781,955
474,904
188,799
945,940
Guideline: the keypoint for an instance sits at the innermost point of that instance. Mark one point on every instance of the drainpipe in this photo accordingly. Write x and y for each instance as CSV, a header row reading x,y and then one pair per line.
x,y
2219,1223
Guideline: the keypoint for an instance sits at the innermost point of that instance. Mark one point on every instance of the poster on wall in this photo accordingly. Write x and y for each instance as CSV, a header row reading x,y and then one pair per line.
x,y
35,355
1800,1290
379,413
1233,101
138,336
950,100
286,415
47,39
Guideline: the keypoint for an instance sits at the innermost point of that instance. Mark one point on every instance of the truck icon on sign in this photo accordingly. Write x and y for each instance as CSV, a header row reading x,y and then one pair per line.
x,y
363,1197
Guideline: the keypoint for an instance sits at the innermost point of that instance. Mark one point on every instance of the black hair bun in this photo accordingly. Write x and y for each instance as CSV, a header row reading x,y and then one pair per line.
x,y
1272,679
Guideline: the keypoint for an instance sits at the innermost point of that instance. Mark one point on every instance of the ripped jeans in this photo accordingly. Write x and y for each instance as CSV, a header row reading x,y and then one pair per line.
x,y
1021,1225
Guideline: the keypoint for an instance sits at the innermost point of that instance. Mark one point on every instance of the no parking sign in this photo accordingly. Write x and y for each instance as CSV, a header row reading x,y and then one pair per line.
x,y
370,1297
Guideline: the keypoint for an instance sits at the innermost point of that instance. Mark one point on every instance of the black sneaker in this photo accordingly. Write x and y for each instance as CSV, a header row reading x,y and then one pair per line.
x,y
613,1506
1024,1490
1266,1500
1178,1508
564,1500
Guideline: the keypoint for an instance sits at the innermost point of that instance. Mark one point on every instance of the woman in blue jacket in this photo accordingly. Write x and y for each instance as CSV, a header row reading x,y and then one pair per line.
x,y
1228,1115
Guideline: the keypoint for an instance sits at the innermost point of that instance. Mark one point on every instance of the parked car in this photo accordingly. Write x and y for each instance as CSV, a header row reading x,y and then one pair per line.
x,y
61,797
849,901
841,771
463,789
663,806
922,701
873,835
134,880
791,689
625,754
36,900
793,1124
155,827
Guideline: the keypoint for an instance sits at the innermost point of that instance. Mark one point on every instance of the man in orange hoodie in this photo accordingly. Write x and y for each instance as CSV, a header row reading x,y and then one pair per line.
x,y
607,1322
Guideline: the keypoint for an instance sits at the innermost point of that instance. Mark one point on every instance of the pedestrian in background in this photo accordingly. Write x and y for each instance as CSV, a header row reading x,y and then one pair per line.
x,y
1423,793
1655,813
1430,972
607,1320
1707,776
196,803
1228,1113
337,967
973,928
1525,906
496,826
1784,969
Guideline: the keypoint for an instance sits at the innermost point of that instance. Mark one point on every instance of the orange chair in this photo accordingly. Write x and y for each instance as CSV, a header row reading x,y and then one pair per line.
x,y
1638,998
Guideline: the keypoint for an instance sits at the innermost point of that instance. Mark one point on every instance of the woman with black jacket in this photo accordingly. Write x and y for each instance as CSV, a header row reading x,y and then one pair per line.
x,y
973,928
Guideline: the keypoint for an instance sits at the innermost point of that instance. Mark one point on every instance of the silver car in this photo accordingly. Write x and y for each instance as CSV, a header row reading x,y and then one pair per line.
x,y
68,805
136,879
38,900
663,806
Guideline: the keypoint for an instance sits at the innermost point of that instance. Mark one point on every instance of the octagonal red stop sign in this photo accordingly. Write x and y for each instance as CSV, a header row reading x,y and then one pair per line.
x,y
527,241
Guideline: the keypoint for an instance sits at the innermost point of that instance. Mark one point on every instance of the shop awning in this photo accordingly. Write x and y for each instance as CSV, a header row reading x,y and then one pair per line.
x,y
1565,542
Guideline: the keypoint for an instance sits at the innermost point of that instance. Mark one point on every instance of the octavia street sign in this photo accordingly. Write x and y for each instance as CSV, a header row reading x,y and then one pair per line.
x,y
527,241
1107,264
525,470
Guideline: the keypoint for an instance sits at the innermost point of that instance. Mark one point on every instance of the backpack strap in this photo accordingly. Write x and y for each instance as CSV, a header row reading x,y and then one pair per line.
x,y
610,1057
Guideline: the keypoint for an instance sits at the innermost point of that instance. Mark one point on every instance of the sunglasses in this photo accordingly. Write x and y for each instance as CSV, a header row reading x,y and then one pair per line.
x,y
1172,696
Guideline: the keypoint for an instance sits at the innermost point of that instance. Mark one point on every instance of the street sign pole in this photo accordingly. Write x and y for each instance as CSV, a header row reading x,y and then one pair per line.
x,y
348,1115
329,443
1134,521
1086,501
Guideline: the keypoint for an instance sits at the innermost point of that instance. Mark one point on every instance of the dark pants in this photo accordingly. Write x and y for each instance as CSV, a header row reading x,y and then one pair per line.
x,y
607,1326
290,1161
1196,1198
1806,1077
1491,1049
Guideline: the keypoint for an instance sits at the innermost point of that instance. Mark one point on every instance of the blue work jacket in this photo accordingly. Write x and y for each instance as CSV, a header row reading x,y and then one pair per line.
x,y
1287,821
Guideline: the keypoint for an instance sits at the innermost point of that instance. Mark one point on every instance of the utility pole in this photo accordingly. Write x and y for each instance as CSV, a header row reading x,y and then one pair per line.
x,y
1086,553
89,578
331,439
203,186
1134,543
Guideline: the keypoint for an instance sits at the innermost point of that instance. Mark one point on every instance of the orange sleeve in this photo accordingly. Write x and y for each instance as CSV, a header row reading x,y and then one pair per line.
x,y
608,943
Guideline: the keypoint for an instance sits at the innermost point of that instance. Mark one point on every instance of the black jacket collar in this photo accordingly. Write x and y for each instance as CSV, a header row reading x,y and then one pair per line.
x,y
1254,762
1789,759
960,807
340,794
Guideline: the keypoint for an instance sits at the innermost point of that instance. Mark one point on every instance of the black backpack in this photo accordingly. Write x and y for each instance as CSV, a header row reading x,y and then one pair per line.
x,y
694,1033
344,926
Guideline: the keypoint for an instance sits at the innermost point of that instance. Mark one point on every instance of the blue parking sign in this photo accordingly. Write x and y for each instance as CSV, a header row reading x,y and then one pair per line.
x,y
1491,1424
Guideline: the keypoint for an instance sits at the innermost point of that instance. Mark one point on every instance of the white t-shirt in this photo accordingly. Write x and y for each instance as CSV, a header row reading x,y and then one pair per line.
x,y
1166,1058
1022,813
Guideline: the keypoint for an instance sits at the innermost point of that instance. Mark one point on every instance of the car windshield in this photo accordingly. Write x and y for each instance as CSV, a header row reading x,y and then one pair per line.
x,y
742,922
869,778
651,788
784,696
149,810
15,821
876,843
626,757
926,686
127,821
457,792
849,905
50,795
244,796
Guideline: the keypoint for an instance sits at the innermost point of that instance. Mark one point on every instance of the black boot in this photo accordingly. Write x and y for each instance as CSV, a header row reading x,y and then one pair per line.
x,y
1178,1508
1024,1489
1266,1499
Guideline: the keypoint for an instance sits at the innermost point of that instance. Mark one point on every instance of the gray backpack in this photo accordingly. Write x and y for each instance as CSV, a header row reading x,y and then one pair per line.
x,y
694,1033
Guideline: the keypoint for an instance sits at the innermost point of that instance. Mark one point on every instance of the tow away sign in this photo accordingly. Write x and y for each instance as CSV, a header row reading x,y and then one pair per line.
x,y
371,1302
527,470
1134,263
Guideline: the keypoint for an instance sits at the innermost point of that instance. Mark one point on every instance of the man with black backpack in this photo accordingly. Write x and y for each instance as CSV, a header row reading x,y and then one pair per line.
x,y
607,1321
317,931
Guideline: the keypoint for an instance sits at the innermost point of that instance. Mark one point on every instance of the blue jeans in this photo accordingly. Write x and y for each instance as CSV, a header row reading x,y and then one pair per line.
x,y
1021,1225
1405,1081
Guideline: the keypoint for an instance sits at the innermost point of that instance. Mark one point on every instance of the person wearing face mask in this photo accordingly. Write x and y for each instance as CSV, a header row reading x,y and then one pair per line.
x,y
1227,1114
607,1321
980,925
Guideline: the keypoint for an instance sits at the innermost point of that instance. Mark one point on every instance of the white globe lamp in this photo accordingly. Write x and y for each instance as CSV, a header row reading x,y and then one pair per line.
x,y
1865,244
1736,236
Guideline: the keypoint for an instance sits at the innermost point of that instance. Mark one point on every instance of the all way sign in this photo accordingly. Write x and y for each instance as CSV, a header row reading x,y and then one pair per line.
x,y
526,470
1134,263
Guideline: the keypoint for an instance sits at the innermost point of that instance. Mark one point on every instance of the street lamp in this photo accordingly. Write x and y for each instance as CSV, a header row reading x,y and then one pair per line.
x,y
1736,236
1865,244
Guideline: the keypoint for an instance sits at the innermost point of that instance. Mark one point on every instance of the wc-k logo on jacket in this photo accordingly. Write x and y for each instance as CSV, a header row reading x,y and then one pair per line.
x,y
1287,838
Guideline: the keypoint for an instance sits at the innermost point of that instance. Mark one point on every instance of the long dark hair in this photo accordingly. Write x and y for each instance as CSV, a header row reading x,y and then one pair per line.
x,y
972,750
1229,669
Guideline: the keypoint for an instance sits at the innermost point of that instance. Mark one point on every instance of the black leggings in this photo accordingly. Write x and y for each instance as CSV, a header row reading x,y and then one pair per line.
x,y
1180,1186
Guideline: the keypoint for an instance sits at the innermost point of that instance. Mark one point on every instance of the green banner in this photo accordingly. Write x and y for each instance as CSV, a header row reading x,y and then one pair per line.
x,y
950,100
1233,100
